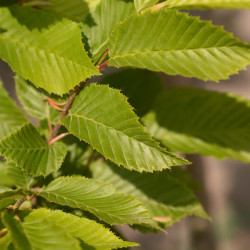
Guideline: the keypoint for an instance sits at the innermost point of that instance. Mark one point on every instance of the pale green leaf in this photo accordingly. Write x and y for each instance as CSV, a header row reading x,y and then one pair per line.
x,y
11,176
214,4
196,121
76,10
33,101
166,198
6,192
5,242
89,231
142,4
102,117
98,198
11,116
140,86
31,152
5,203
175,43
44,233
46,50
106,15
19,238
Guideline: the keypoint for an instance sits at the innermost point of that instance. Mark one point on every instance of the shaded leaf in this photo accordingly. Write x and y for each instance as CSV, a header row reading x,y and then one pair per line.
x,y
31,152
19,238
197,121
102,117
166,198
11,116
6,192
98,198
5,203
184,45
44,49
106,15
89,231
140,86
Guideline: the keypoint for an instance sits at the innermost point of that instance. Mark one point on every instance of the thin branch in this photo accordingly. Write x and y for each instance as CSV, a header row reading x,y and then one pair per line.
x,y
103,56
58,138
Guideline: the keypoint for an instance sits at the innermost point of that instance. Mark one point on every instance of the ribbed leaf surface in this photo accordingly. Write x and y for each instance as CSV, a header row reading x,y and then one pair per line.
x,y
166,198
44,49
11,116
175,43
106,15
102,117
98,198
19,238
31,152
44,233
215,4
142,4
76,10
196,121
11,176
32,101
93,234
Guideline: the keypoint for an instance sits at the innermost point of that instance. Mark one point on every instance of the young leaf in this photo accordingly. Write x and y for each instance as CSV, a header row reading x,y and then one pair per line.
x,y
166,198
76,10
175,43
46,50
11,116
19,238
98,198
106,15
102,117
11,176
32,101
31,152
141,86
89,231
142,4
203,122
214,4
44,233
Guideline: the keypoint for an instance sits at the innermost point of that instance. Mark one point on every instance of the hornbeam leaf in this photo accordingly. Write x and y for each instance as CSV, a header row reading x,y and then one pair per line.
x,y
5,203
11,116
106,15
44,49
196,121
166,198
19,238
215,4
98,198
5,242
76,10
31,152
102,117
44,233
142,4
89,231
175,43
6,192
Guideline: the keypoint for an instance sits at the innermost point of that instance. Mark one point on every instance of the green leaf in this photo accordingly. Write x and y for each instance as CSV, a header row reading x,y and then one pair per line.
x,y
140,86
196,121
175,43
31,152
6,192
76,10
5,242
6,202
106,15
32,101
44,233
11,116
11,176
167,199
98,198
19,238
8,2
102,117
89,231
44,49
142,4
214,4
